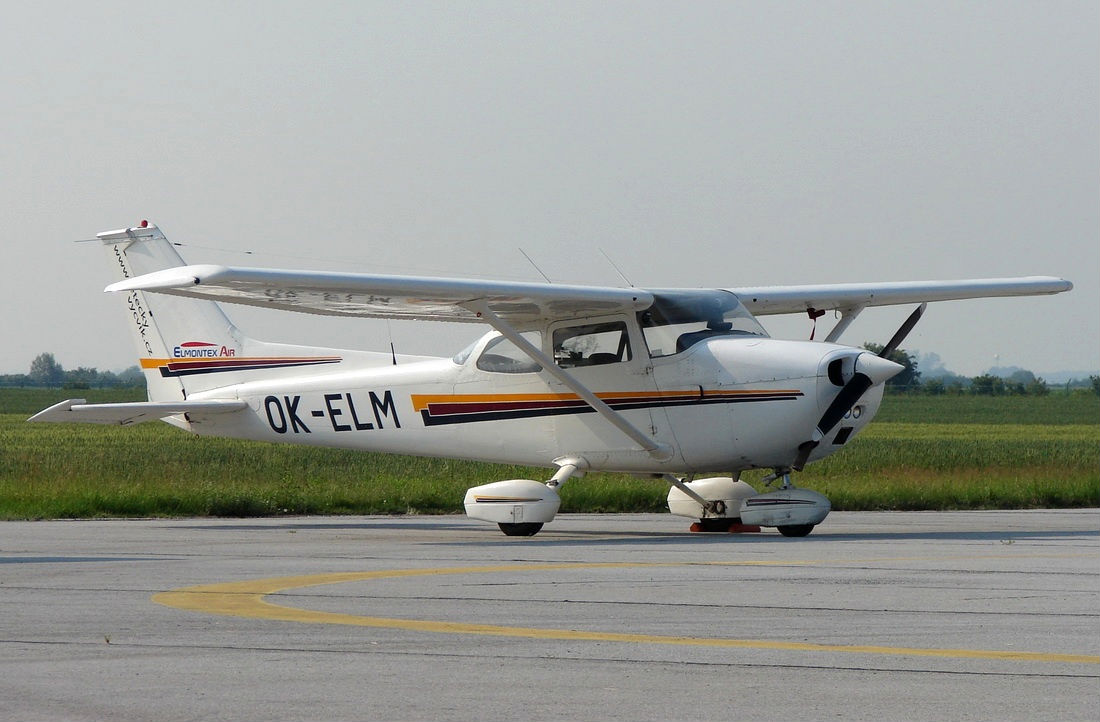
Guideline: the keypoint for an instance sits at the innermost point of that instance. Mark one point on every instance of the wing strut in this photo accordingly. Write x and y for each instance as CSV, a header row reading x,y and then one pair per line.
x,y
655,449
847,315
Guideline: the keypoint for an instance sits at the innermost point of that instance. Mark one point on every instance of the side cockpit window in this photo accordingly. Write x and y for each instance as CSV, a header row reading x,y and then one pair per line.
x,y
504,357
593,344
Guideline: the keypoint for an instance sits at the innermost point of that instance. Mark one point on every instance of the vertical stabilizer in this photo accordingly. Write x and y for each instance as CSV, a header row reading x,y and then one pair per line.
x,y
166,327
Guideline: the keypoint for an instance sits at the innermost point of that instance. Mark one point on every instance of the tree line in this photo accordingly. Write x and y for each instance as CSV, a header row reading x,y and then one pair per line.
x,y
1018,383
45,371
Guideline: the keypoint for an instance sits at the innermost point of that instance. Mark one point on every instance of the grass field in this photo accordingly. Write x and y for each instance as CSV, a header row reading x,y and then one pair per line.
x,y
921,453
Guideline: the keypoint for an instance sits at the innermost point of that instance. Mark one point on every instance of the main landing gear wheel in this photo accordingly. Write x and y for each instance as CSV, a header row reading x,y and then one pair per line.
x,y
525,528
794,529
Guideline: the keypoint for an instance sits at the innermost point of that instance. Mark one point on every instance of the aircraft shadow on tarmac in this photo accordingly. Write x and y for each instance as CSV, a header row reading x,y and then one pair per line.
x,y
571,537
73,560
611,538
337,526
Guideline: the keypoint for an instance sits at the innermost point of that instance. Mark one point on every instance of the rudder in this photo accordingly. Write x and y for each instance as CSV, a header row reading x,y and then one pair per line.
x,y
166,327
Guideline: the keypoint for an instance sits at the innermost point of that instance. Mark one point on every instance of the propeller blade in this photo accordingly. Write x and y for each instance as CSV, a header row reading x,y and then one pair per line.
x,y
899,336
843,402
869,370
804,451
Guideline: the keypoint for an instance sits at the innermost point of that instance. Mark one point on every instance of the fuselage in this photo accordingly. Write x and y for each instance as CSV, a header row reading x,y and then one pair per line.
x,y
727,402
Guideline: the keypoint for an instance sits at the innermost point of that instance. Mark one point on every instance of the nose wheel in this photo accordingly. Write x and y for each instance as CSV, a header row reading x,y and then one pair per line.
x,y
792,511
522,528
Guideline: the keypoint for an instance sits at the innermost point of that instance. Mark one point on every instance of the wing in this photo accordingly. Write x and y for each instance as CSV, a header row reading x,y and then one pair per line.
x,y
523,304
379,296
766,300
75,410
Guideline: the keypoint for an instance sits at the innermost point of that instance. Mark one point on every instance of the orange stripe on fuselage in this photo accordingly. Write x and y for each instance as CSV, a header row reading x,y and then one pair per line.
x,y
156,363
423,401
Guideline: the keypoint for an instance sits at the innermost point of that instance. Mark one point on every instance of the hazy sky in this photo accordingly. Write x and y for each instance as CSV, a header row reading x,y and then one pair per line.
x,y
697,144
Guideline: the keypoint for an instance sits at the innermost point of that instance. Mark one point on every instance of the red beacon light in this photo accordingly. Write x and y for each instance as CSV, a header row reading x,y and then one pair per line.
x,y
144,224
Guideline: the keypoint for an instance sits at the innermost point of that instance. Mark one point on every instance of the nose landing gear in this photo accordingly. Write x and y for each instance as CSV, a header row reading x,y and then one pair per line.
x,y
793,511
721,504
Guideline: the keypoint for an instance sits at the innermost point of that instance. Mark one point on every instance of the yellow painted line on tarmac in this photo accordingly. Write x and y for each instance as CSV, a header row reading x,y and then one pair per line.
x,y
246,599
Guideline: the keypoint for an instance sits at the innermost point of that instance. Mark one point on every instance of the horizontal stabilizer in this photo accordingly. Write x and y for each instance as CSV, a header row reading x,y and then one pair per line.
x,y
76,410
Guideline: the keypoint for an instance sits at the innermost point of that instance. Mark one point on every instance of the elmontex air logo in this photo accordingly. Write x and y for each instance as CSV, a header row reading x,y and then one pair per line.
x,y
201,349
203,357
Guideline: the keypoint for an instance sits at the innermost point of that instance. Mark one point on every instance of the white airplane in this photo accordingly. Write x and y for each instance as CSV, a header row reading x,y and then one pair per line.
x,y
668,383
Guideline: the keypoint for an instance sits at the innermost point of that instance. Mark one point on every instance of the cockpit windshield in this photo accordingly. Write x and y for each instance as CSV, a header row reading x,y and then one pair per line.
x,y
679,319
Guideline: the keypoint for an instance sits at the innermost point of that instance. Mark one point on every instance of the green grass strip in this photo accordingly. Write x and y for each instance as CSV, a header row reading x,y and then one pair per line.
x,y
83,471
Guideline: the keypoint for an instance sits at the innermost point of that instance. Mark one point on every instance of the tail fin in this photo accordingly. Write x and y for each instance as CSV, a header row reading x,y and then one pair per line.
x,y
188,345
167,327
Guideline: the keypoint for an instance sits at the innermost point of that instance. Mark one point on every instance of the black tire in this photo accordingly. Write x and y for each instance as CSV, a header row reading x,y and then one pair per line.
x,y
796,529
521,529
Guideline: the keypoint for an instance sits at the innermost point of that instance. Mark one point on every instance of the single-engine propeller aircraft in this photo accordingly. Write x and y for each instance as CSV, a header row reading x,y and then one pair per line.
x,y
672,383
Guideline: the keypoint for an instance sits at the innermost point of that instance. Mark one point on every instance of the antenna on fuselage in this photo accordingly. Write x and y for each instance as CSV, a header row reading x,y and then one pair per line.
x,y
529,260
393,351
617,269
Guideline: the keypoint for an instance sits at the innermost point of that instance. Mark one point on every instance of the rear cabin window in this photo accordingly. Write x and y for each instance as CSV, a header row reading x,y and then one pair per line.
x,y
504,357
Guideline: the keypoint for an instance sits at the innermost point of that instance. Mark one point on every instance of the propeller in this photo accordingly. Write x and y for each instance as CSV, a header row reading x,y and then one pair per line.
x,y
899,335
869,369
